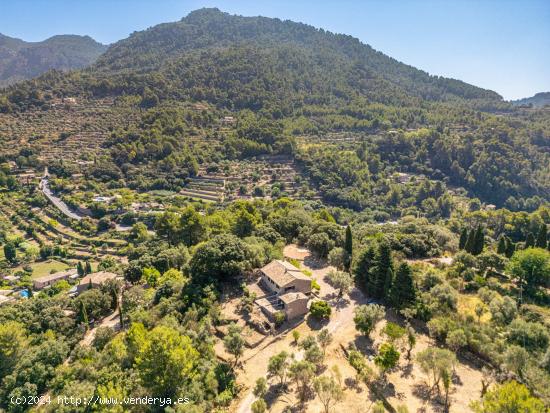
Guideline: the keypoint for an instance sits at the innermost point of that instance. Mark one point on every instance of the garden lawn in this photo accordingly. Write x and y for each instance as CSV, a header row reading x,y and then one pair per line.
x,y
42,268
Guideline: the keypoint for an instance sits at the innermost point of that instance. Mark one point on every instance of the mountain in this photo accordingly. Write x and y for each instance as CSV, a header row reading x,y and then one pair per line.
x,y
258,63
282,81
20,60
539,100
234,52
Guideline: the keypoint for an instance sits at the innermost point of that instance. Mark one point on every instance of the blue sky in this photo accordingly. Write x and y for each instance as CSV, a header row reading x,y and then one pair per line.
x,y
502,45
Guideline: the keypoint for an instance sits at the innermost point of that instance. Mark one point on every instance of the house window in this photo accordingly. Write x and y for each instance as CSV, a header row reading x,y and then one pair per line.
x,y
292,287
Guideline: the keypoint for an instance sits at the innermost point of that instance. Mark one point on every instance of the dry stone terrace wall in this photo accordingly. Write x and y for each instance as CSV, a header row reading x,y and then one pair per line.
x,y
238,179
79,246
64,131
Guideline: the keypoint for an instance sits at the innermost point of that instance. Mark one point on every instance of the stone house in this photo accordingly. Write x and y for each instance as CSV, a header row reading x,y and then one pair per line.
x,y
289,290
95,280
51,279
281,277
294,304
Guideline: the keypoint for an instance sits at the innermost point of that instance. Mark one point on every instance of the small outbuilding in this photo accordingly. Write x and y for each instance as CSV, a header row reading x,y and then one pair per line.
x,y
294,304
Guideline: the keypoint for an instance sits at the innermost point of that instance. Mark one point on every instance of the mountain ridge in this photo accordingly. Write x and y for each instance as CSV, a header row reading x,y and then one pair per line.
x,y
205,29
301,64
282,81
537,100
22,60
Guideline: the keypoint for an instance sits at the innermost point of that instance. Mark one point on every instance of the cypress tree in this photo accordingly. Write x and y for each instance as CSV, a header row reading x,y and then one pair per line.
x,y
80,269
83,316
10,252
479,241
463,239
402,293
379,274
501,249
363,266
119,308
114,296
388,282
530,240
88,269
120,316
542,237
348,246
470,242
510,247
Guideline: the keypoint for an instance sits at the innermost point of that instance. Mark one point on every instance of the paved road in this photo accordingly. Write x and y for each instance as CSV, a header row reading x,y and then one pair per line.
x,y
59,204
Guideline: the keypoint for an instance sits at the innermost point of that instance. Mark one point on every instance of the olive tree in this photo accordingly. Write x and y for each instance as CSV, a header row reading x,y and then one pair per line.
x,y
366,317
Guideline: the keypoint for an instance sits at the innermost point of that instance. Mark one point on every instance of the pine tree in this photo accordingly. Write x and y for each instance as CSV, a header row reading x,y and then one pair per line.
x,y
501,248
88,269
470,242
463,239
80,269
363,266
542,237
530,240
402,293
479,241
348,246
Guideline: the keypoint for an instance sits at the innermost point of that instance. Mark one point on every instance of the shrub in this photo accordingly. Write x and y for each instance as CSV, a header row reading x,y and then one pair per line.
x,y
102,337
320,309
503,309
508,397
366,317
532,336
279,318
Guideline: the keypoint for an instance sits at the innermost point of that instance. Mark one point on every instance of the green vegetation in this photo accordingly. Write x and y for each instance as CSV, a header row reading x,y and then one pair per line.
x,y
199,149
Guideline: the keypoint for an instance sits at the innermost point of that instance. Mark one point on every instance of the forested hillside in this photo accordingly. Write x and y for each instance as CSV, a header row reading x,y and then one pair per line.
x,y
310,82
208,29
243,214
249,52
539,100
20,60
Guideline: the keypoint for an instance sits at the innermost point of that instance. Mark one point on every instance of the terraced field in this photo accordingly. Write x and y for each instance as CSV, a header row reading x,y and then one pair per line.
x,y
257,178
42,227
64,132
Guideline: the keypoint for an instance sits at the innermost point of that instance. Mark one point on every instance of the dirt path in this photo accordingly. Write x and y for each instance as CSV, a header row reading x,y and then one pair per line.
x,y
109,321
